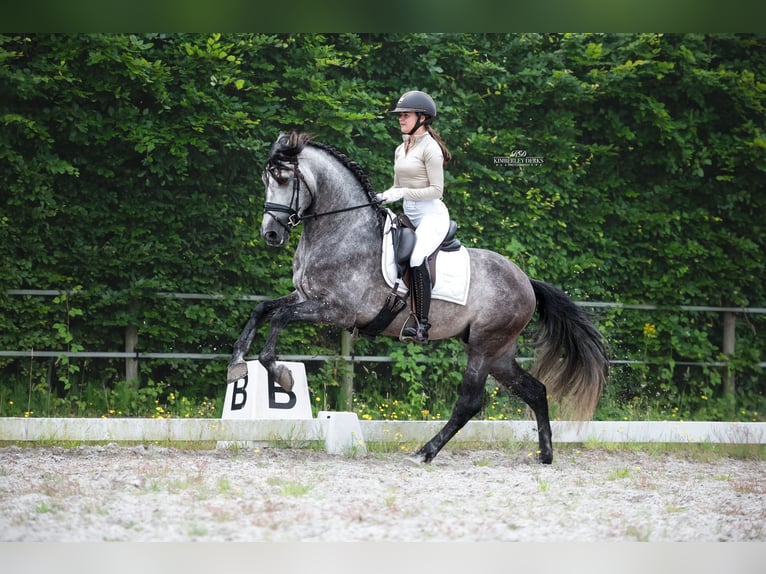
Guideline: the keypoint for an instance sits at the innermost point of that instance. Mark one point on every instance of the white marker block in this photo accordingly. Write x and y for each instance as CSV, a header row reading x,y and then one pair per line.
x,y
255,398
343,434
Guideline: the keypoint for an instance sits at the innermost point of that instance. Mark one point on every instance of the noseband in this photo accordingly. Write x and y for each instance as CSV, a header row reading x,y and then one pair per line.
x,y
273,169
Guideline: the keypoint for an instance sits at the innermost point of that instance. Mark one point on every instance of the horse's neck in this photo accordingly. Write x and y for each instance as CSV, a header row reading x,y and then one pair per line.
x,y
345,238
354,232
338,190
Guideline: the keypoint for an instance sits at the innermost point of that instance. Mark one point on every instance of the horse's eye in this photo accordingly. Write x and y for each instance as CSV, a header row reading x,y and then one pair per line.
x,y
276,175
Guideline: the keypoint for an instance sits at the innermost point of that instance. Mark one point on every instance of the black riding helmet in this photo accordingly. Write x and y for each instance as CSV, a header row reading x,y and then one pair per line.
x,y
420,103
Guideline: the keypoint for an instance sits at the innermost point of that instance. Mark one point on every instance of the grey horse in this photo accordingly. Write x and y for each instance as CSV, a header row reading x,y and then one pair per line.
x,y
338,281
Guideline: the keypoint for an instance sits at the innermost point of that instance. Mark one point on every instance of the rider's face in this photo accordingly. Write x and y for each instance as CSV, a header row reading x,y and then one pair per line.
x,y
407,121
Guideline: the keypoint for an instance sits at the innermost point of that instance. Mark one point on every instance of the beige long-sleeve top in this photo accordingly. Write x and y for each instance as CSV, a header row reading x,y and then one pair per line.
x,y
420,171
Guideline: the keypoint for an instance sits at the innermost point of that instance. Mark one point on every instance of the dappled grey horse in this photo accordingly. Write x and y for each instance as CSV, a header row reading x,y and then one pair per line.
x,y
338,281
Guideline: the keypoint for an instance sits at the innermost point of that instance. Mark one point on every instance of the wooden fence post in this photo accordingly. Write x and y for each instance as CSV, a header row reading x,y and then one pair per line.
x,y
131,363
728,346
346,399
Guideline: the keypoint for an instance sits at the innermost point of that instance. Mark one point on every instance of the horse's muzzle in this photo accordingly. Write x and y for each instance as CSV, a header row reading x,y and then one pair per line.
x,y
275,237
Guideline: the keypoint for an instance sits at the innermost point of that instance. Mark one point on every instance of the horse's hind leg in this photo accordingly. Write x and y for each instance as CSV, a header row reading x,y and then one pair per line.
x,y
519,382
467,406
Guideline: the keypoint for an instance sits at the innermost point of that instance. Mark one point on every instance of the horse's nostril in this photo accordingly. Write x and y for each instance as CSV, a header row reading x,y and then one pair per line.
x,y
272,238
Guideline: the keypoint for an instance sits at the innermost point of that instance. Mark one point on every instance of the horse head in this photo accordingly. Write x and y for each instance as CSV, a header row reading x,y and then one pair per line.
x,y
292,176
288,190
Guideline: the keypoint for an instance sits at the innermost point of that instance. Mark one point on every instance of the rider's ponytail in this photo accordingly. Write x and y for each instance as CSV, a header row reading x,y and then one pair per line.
x,y
445,152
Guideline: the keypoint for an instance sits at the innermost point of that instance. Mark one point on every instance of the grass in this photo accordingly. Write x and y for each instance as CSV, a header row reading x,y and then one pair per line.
x,y
290,487
640,534
673,509
619,474
196,531
224,486
42,508
700,452
749,486
694,451
296,489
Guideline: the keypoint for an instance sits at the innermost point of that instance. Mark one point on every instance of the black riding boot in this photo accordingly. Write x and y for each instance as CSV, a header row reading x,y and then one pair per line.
x,y
421,295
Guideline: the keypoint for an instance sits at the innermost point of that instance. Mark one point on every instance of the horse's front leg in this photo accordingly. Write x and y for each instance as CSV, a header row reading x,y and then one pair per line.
x,y
262,312
309,311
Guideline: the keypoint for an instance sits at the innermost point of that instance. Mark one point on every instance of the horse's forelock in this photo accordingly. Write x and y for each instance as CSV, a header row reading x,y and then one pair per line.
x,y
287,147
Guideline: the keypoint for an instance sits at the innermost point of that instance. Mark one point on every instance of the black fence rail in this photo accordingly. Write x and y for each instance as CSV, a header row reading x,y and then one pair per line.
x,y
132,355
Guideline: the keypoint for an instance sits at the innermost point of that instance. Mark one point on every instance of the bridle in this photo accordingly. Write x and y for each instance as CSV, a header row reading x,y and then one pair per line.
x,y
274,169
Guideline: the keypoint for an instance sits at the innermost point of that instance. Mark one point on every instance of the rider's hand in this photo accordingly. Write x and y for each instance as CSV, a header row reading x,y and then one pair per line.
x,y
390,195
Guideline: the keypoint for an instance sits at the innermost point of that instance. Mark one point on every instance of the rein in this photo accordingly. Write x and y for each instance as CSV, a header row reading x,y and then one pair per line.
x,y
294,219
334,211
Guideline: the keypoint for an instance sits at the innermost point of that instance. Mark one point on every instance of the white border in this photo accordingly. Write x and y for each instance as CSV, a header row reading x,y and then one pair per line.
x,y
490,432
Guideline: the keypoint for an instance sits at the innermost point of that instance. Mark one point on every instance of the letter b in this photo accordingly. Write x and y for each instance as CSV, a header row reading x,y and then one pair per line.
x,y
274,388
237,390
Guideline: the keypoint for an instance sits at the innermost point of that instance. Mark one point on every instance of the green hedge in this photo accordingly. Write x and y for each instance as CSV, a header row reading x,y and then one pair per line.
x,y
130,166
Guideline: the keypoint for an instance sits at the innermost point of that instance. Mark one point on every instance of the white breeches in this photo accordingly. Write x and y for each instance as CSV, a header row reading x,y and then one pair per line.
x,y
431,219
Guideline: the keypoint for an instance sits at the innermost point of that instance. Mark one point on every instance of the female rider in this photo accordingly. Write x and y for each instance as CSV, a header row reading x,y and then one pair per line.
x,y
419,179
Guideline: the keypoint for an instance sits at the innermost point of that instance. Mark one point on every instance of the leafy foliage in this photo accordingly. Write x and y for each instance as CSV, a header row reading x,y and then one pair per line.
x,y
130,168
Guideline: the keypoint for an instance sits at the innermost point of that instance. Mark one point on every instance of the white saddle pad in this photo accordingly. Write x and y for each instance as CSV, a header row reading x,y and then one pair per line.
x,y
453,271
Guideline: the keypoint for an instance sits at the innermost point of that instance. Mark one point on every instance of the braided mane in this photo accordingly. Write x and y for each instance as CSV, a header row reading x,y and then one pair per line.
x,y
288,146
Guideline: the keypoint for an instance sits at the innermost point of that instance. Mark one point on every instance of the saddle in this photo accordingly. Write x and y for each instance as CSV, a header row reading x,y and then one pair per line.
x,y
404,242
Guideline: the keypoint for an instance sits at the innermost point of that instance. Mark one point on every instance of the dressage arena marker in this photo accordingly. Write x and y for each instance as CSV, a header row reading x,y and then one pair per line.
x,y
254,397
301,431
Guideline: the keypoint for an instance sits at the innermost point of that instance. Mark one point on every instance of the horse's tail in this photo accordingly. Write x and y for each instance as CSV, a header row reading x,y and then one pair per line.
x,y
571,355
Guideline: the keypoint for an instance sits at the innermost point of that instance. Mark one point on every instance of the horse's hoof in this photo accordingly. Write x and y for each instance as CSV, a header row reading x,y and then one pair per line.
x,y
236,372
284,378
415,460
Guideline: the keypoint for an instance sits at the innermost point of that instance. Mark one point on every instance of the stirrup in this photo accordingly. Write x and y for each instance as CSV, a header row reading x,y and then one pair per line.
x,y
417,333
